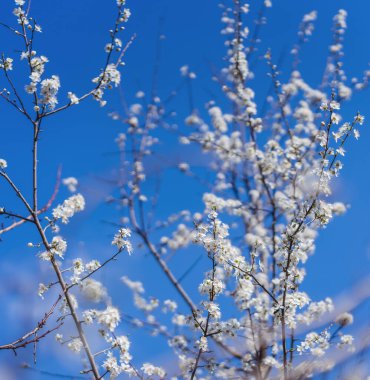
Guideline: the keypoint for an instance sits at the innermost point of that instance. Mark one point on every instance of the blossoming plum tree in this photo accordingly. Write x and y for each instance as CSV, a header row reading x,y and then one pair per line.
x,y
37,103
272,174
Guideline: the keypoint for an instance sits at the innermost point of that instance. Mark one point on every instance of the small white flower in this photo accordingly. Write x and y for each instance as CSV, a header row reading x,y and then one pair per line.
x,y
49,90
109,317
341,151
334,105
120,240
359,119
58,246
89,316
324,106
151,370
69,207
78,267
140,94
7,64
203,343
93,265
93,290
344,319
111,365
71,183
73,98
184,167
3,164
42,289
75,345
169,305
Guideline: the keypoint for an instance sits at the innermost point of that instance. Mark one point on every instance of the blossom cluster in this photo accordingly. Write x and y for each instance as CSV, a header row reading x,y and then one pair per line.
x,y
269,195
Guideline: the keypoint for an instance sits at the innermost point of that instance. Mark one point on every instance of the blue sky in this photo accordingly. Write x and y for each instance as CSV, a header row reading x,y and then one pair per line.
x,y
82,139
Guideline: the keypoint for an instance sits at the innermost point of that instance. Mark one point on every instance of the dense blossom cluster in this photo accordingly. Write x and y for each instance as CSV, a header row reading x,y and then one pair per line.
x,y
270,197
69,207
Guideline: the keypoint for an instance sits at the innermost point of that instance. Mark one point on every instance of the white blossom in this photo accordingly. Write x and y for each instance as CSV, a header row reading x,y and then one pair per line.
x,y
69,207
42,289
109,317
75,345
3,164
71,183
49,91
151,370
120,240
93,290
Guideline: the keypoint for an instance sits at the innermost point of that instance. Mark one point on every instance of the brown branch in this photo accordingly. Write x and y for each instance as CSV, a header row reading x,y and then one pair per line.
x,y
41,211
24,340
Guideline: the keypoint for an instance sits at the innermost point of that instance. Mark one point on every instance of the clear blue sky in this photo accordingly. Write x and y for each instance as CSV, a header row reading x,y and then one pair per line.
x,y
82,140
